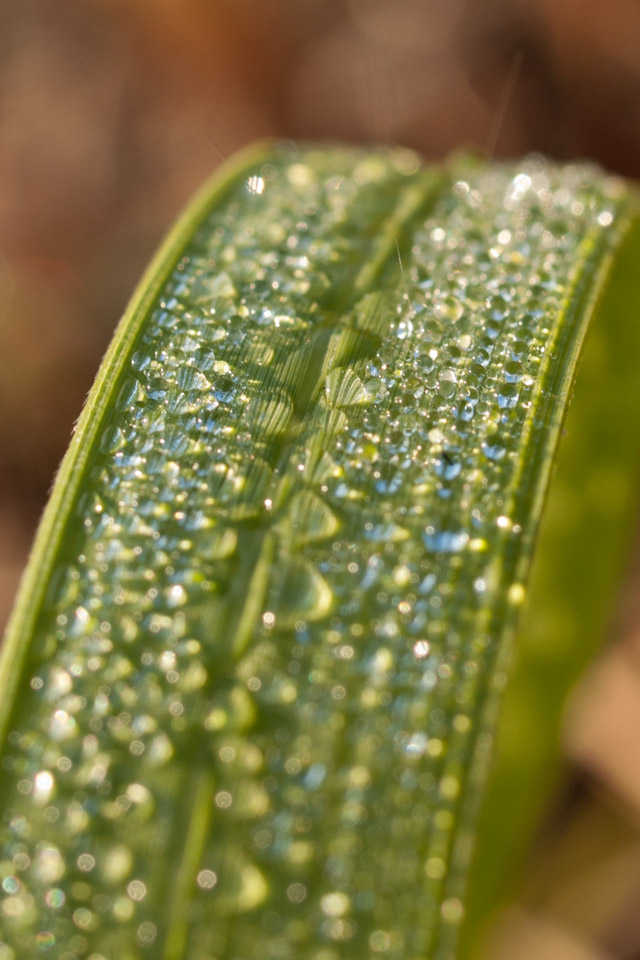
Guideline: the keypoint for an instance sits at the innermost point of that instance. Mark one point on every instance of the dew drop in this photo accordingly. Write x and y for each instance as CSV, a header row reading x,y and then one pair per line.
x,y
375,389
404,329
446,541
421,649
43,784
116,865
335,904
253,888
448,308
301,593
494,451
207,879
311,518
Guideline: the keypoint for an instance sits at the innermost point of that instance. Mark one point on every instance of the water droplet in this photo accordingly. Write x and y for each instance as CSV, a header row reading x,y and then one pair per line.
x,y
335,904
401,575
86,862
137,890
207,879
49,865
45,940
176,595
255,184
116,864
417,744
59,683
404,329
516,593
517,188
343,387
446,541
62,726
270,416
448,308
421,649
494,451
311,518
160,750
54,899
512,371
301,593
221,287
253,888
375,388
10,885
191,379
43,784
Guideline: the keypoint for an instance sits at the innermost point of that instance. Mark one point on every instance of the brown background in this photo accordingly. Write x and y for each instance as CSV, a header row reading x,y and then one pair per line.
x,y
113,111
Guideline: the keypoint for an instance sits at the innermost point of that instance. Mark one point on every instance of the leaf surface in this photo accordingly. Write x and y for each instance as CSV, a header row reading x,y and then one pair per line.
x,y
252,678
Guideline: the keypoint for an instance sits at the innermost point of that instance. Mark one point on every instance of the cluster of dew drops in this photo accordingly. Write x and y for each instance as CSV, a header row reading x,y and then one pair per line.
x,y
319,751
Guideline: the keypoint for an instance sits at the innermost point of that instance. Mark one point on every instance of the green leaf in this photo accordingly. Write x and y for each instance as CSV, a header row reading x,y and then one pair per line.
x,y
251,683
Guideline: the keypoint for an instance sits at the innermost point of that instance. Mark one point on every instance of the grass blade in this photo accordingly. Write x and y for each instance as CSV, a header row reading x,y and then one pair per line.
x,y
585,537
259,649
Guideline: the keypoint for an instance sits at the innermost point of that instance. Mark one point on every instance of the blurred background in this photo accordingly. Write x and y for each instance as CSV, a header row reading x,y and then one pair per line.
x,y
114,111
